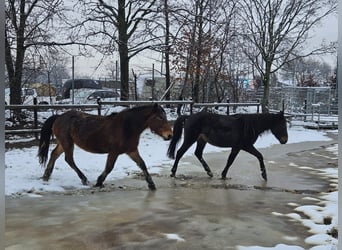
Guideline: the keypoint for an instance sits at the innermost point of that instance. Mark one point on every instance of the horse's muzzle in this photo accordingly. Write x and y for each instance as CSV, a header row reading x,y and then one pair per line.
x,y
283,139
167,137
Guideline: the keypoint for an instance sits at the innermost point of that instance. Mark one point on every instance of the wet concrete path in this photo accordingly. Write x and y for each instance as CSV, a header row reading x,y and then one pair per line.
x,y
189,212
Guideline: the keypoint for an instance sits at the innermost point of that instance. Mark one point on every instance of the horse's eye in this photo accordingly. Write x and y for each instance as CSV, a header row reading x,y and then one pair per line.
x,y
160,118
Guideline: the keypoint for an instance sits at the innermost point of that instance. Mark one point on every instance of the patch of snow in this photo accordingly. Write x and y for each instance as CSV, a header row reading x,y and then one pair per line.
x,y
277,247
174,237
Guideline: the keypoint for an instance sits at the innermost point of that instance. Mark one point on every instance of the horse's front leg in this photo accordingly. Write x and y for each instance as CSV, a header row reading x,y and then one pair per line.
x,y
135,156
252,150
69,158
111,158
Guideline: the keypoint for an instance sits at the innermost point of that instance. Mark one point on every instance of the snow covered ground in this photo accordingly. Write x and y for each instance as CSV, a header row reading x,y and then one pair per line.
x,y
23,172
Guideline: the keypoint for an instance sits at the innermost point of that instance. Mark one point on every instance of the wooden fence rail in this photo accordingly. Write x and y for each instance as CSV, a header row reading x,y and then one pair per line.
x,y
38,108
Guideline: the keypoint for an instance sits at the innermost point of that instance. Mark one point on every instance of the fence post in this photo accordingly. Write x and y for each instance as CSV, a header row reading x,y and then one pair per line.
x,y
305,109
258,106
99,106
228,101
35,116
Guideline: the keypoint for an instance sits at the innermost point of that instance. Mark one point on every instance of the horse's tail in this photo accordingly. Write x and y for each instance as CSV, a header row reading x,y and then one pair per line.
x,y
45,135
177,133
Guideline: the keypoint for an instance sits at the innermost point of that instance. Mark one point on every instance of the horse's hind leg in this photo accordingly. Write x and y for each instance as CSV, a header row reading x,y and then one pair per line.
x,y
56,152
140,162
252,150
69,158
230,161
199,154
111,158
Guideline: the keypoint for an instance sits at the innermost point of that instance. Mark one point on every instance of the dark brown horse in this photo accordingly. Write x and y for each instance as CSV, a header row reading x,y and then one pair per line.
x,y
115,134
238,132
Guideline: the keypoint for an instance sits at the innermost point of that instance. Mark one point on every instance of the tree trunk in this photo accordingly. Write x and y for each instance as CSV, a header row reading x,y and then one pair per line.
x,y
167,49
123,50
266,95
15,69
199,20
124,72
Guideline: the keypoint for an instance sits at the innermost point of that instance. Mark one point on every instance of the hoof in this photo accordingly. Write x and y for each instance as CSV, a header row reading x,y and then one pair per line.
x,y
223,177
85,182
152,186
172,175
99,185
264,176
210,174
44,178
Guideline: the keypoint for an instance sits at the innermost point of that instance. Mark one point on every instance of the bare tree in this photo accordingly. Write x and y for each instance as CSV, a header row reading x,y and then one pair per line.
x,y
167,47
276,31
30,25
202,49
189,47
160,30
119,27
52,67
223,34
307,72
183,50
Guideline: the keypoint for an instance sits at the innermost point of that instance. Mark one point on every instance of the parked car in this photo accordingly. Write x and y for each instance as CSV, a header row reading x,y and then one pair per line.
x,y
79,84
103,95
27,96
7,96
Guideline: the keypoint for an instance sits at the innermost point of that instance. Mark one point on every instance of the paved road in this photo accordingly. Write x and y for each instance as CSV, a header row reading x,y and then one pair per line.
x,y
189,212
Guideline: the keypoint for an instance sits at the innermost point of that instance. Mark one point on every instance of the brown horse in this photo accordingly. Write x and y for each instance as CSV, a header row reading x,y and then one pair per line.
x,y
114,134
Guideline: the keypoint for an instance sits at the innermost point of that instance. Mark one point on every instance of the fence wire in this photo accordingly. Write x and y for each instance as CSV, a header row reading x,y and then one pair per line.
x,y
305,100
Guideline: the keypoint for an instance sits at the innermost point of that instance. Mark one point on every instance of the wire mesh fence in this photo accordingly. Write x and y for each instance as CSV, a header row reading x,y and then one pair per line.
x,y
305,100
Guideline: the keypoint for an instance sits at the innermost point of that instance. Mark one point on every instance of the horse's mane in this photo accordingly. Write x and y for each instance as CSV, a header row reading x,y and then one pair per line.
x,y
137,109
133,116
255,124
140,109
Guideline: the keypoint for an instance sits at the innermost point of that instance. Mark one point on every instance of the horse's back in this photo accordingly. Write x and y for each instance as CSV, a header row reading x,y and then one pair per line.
x,y
78,121
216,129
211,120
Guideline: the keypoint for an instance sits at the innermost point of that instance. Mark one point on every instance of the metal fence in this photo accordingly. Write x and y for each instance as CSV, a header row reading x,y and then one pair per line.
x,y
317,107
305,100
191,107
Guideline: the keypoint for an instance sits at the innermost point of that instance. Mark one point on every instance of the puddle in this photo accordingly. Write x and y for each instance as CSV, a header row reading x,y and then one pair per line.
x,y
192,211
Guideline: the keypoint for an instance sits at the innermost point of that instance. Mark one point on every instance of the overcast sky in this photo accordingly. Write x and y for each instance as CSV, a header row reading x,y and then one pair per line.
x,y
328,31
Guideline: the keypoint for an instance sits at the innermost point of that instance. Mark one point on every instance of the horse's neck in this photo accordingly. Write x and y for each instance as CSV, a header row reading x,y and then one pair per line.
x,y
142,116
133,122
261,124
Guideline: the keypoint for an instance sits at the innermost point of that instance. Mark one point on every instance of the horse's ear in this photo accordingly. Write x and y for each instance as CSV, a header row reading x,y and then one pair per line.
x,y
282,115
155,107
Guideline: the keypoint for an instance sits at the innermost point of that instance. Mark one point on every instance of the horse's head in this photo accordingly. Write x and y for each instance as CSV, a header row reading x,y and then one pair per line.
x,y
158,123
279,128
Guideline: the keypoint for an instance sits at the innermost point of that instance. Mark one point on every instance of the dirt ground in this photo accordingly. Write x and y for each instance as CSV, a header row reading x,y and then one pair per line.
x,y
191,211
